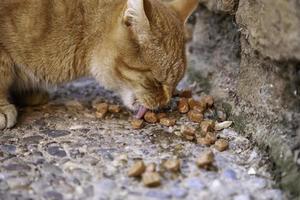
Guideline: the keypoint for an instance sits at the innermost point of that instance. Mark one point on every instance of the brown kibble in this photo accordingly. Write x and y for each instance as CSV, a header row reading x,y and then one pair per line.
x,y
188,132
137,169
209,101
161,115
114,108
183,105
151,167
167,122
203,141
185,130
186,94
101,110
195,116
172,165
101,107
221,145
193,103
207,126
211,137
206,159
150,117
151,179
137,123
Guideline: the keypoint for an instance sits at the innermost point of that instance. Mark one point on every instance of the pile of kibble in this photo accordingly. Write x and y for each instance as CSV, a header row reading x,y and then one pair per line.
x,y
205,134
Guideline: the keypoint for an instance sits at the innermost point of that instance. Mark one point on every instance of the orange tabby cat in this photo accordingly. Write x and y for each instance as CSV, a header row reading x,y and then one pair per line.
x,y
133,47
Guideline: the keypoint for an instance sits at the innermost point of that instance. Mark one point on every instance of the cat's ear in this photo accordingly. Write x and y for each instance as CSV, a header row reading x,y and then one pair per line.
x,y
136,19
184,8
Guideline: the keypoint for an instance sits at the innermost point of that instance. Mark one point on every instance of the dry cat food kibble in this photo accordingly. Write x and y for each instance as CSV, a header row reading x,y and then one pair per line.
x,y
195,116
207,126
150,117
137,169
188,132
204,141
151,179
167,121
172,165
101,110
193,103
161,115
221,145
183,105
206,159
114,108
137,123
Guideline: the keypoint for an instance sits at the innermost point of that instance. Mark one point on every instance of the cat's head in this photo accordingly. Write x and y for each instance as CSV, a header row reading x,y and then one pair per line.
x,y
152,56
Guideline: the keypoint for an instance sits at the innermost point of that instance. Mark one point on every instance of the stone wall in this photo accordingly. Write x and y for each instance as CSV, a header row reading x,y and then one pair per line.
x,y
247,53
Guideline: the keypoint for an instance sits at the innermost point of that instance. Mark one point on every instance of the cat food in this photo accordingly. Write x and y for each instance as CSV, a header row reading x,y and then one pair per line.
x,y
151,167
114,108
101,110
222,125
151,179
172,165
137,169
167,121
185,93
193,103
161,115
188,132
150,117
221,145
206,159
211,137
203,141
137,123
195,116
207,126
183,105
208,100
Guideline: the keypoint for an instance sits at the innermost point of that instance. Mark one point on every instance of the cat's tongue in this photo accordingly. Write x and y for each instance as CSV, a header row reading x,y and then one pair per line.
x,y
141,112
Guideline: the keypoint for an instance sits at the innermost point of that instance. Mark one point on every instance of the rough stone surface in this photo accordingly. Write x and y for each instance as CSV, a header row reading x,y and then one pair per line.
x,y
249,61
89,158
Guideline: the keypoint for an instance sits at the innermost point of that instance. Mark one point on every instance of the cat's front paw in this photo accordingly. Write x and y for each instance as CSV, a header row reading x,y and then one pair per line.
x,y
8,116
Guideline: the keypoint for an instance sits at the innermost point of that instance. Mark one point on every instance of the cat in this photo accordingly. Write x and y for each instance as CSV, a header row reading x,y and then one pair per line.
x,y
135,48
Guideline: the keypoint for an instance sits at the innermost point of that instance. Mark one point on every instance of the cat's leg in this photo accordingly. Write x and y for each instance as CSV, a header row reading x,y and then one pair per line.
x,y
8,112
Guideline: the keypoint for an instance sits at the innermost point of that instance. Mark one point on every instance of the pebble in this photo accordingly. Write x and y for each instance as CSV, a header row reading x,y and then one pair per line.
x,y
179,192
195,183
53,195
56,151
158,194
56,133
17,167
35,139
223,125
137,169
151,179
230,174
8,148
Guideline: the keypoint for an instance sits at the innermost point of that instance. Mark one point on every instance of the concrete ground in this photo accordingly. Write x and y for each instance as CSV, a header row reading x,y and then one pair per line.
x,y
61,151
